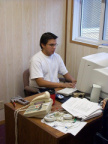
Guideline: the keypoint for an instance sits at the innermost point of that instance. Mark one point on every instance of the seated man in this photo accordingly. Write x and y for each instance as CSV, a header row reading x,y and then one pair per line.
x,y
46,65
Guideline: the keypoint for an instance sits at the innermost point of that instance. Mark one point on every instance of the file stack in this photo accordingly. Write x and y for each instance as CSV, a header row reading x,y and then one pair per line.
x,y
82,108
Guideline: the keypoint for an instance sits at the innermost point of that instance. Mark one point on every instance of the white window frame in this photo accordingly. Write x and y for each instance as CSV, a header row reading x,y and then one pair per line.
x,y
76,25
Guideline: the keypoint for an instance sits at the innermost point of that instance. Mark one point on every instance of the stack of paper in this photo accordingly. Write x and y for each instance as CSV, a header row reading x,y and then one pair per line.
x,y
82,108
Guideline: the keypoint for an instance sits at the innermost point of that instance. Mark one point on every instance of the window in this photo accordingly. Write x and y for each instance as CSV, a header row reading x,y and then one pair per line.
x,y
105,35
90,21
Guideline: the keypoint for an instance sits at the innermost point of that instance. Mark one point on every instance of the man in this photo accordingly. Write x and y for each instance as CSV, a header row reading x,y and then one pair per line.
x,y
46,65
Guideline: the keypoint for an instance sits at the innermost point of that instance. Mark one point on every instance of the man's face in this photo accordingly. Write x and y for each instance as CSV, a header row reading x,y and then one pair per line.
x,y
50,47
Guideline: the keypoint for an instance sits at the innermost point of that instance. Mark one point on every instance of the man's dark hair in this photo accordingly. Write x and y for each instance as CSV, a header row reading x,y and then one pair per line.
x,y
45,37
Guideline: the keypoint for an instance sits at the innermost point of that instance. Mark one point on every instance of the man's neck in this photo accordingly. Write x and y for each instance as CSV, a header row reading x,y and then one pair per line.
x,y
45,54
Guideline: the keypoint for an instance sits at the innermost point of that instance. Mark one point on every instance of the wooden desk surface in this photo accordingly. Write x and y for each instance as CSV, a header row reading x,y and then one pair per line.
x,y
28,128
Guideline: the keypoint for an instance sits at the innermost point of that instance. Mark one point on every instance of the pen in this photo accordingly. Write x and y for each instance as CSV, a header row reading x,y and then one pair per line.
x,y
74,120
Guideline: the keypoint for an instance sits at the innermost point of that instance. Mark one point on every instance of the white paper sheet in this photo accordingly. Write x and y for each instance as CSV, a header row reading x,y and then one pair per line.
x,y
62,126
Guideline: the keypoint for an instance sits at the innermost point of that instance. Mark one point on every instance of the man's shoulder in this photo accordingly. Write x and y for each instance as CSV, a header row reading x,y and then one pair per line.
x,y
56,55
36,56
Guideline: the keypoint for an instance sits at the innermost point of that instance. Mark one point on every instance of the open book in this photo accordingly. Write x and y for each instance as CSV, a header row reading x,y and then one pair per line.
x,y
82,108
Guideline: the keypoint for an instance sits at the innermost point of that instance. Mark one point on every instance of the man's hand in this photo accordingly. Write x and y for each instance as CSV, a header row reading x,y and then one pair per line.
x,y
104,103
69,85
69,78
74,81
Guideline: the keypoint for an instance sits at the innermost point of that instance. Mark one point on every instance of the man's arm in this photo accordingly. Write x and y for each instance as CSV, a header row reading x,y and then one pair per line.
x,y
43,83
69,78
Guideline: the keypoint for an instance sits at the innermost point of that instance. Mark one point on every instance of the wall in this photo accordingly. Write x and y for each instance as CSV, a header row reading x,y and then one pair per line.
x,y
22,22
74,52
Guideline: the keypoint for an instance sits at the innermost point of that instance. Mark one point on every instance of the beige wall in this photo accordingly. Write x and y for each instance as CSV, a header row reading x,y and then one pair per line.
x,y
21,24
74,52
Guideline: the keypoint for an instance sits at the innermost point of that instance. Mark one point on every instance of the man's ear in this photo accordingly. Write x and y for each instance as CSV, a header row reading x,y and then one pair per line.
x,y
42,45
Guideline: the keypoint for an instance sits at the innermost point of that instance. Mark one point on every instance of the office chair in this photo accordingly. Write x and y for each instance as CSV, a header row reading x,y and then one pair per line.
x,y
102,137
27,89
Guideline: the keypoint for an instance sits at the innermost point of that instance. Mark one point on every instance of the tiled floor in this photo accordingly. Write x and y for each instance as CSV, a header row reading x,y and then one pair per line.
x,y
2,134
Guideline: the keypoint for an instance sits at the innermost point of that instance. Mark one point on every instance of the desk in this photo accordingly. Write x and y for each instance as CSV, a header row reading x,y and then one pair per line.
x,y
32,131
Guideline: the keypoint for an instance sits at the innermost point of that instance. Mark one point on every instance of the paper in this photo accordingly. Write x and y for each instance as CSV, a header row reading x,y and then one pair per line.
x,y
97,113
66,127
82,108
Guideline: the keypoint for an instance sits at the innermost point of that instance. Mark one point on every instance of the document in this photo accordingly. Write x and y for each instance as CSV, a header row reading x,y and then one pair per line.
x,y
82,108
65,127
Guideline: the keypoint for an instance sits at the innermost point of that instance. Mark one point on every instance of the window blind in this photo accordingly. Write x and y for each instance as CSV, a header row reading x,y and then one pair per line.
x,y
105,36
90,19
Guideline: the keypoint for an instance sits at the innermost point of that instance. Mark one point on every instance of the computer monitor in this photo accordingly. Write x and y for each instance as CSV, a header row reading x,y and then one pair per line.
x,y
93,69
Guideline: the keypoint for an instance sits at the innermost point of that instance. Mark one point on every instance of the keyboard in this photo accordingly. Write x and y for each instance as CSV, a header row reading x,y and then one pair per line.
x,y
67,91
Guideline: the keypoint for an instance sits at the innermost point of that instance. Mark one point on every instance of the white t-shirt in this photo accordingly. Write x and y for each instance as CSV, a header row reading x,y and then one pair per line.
x,y
47,67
